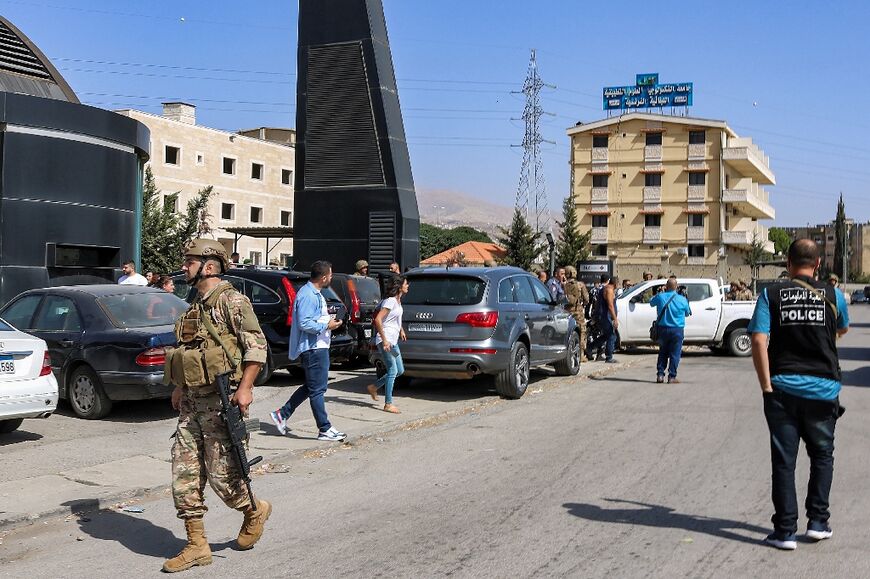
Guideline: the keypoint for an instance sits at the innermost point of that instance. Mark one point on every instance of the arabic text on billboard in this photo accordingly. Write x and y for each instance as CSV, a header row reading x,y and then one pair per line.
x,y
647,96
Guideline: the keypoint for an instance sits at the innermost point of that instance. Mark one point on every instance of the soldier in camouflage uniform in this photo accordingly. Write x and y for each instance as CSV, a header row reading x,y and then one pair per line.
x,y
578,299
744,293
202,447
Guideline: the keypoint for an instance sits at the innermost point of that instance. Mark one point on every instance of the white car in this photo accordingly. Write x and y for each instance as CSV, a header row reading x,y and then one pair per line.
x,y
28,389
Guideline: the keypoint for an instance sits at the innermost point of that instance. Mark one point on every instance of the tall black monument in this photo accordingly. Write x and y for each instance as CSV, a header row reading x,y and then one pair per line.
x,y
354,192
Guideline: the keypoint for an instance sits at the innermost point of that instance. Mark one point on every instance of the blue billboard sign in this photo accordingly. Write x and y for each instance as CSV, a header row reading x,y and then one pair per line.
x,y
648,94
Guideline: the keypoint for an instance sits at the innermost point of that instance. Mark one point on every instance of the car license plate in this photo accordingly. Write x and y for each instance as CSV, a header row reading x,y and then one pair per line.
x,y
417,327
7,365
367,333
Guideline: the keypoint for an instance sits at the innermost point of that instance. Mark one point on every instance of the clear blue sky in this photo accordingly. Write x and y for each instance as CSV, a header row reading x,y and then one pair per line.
x,y
790,75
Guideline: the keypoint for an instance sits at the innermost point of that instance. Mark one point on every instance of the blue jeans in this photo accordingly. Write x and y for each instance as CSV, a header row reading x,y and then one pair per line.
x,y
670,350
791,419
395,367
607,338
316,365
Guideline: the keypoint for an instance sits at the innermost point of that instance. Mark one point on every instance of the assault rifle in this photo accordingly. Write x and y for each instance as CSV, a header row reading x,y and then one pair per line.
x,y
238,432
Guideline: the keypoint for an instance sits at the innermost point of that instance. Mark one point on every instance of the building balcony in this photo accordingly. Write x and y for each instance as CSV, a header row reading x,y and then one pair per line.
x,y
697,152
652,194
752,202
695,233
599,154
652,153
696,260
599,235
599,195
697,193
746,157
652,235
744,238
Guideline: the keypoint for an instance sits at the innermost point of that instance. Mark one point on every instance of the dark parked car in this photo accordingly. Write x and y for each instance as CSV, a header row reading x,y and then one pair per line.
x,y
272,292
361,296
465,321
106,342
858,297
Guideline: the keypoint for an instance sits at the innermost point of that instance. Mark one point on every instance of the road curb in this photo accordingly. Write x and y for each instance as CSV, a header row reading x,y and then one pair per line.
x,y
126,497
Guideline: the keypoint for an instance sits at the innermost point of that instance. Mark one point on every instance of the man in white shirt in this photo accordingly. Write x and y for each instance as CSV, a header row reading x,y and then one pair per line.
x,y
130,276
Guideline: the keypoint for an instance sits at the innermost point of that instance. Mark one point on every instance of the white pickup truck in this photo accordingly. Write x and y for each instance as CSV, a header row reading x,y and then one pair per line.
x,y
714,322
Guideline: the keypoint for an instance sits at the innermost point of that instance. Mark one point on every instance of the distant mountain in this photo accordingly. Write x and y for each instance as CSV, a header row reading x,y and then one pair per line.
x,y
452,209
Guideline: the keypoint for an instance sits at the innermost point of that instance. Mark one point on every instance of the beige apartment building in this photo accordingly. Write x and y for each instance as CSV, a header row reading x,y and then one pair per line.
x,y
670,194
251,172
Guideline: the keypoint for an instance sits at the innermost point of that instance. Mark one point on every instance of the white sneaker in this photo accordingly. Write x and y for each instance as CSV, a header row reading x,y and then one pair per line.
x,y
279,421
332,434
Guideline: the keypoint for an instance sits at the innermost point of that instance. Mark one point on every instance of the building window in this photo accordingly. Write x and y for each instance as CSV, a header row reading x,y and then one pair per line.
x,y
599,141
229,166
599,180
286,177
652,220
200,159
228,211
256,214
171,155
653,138
697,178
170,203
696,250
256,257
601,250
285,260
285,219
652,180
696,220
257,171
599,221
697,137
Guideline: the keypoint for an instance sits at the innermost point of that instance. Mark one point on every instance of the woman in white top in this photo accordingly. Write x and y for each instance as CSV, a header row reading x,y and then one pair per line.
x,y
388,327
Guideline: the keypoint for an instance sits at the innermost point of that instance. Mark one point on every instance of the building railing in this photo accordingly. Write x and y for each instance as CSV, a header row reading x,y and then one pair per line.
x,y
697,192
695,233
599,194
652,153
652,194
697,151
652,234
599,235
599,154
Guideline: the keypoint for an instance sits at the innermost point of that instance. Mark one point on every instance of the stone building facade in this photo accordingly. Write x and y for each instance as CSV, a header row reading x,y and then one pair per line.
x,y
252,173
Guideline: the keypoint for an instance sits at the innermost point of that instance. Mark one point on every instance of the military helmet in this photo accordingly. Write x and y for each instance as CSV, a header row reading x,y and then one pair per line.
x,y
209,249
571,271
361,264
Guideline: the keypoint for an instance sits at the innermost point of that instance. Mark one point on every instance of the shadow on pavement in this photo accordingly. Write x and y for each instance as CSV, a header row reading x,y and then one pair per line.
x,y
134,532
853,353
859,377
17,436
664,517
130,412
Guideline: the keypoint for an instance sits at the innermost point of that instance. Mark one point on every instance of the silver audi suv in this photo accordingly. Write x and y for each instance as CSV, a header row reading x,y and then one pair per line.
x,y
464,321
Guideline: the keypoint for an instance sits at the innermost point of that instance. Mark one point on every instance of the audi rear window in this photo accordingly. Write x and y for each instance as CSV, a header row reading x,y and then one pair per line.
x,y
143,310
444,290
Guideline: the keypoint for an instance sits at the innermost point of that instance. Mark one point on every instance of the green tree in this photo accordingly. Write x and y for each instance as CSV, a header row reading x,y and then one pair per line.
x,y
520,242
839,265
572,246
165,233
781,240
756,257
434,240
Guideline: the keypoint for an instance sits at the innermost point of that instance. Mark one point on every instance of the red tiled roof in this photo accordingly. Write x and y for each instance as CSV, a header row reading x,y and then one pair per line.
x,y
474,253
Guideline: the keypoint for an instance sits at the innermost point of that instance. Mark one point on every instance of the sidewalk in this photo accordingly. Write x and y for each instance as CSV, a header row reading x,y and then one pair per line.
x,y
141,465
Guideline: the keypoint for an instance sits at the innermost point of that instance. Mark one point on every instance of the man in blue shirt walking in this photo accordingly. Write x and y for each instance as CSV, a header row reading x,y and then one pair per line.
x,y
672,309
310,336
799,372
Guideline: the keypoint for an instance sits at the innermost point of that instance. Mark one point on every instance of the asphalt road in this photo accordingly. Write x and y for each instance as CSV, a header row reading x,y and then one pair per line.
x,y
617,477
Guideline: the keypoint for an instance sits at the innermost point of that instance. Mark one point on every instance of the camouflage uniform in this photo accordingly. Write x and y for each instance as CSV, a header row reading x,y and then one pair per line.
x,y
578,299
202,446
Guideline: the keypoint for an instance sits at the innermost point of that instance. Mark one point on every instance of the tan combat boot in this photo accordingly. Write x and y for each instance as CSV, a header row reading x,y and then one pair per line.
x,y
252,527
196,552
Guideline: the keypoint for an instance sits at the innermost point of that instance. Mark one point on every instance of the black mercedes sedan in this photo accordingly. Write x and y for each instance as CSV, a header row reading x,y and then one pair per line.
x,y
106,342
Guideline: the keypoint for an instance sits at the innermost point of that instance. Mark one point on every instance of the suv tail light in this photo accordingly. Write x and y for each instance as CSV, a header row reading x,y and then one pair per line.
x,y
46,364
354,301
291,299
152,357
478,319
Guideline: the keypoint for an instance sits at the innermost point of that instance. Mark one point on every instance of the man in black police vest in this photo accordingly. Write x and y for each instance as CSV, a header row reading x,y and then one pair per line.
x,y
799,373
